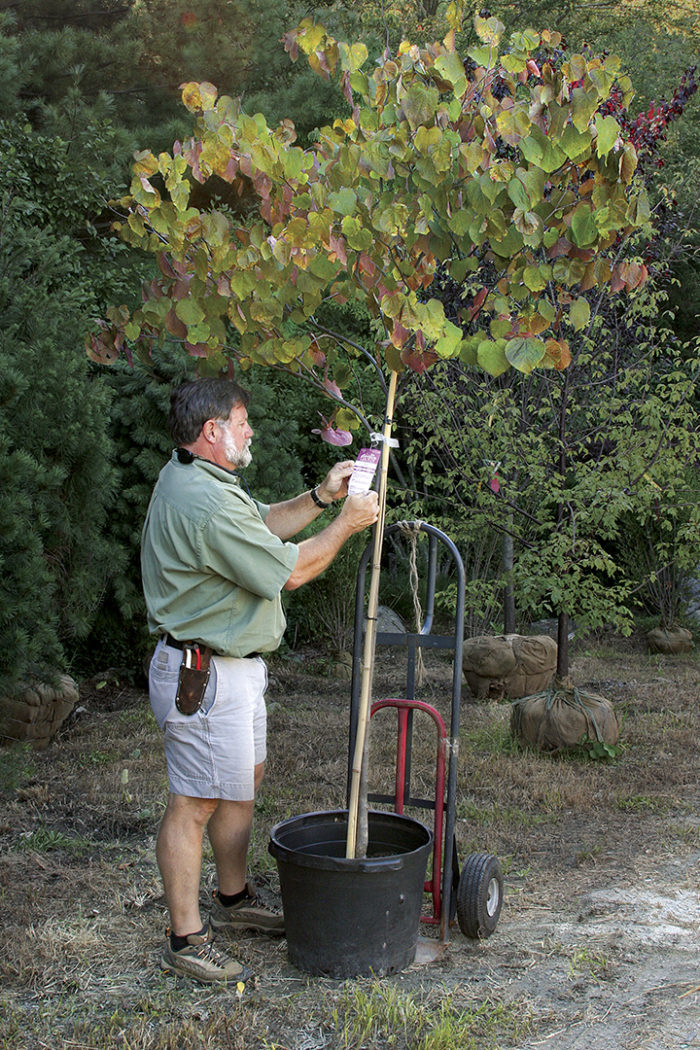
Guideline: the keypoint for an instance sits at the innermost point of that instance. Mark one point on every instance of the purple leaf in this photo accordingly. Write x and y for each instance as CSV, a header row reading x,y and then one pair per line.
x,y
333,436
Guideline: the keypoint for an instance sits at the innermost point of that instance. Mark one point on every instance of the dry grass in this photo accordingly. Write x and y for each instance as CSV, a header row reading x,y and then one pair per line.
x,y
83,912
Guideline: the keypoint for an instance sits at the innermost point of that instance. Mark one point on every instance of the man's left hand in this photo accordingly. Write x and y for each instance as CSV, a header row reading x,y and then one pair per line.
x,y
335,484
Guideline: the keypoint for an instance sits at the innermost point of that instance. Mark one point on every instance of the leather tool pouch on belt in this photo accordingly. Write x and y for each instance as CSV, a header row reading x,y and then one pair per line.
x,y
193,678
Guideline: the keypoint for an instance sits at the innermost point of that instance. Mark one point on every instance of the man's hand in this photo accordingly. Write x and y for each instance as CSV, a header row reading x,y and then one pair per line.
x,y
316,553
359,512
335,484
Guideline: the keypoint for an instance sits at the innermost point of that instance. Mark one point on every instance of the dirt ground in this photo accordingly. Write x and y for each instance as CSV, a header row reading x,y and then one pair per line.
x,y
598,943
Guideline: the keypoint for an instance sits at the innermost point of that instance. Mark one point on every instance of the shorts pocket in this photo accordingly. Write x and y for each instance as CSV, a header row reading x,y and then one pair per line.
x,y
162,684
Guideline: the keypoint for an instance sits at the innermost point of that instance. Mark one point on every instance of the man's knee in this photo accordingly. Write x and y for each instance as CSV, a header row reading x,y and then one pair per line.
x,y
197,810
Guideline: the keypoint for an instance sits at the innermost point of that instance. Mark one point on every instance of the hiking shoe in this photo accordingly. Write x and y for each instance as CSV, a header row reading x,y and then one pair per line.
x,y
201,959
248,914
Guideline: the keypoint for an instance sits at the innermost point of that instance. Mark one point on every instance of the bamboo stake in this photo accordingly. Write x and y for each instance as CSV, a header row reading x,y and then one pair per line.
x,y
370,634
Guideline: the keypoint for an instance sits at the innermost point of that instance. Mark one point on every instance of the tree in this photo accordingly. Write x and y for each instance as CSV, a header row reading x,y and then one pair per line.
x,y
504,169
511,174
658,42
56,478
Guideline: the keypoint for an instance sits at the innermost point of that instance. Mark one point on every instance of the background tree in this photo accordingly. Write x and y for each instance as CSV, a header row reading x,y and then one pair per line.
x,y
658,42
56,478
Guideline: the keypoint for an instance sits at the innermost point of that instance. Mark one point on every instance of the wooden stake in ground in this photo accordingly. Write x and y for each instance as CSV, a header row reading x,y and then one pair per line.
x,y
357,812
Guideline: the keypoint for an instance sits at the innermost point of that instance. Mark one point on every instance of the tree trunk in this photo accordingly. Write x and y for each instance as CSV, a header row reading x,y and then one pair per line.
x,y
562,617
508,591
563,645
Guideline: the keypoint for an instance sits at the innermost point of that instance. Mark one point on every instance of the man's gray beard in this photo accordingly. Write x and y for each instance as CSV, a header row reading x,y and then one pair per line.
x,y
238,458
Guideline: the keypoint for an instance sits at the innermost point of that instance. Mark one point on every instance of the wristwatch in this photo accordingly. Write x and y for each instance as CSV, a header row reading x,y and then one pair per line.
x,y
317,499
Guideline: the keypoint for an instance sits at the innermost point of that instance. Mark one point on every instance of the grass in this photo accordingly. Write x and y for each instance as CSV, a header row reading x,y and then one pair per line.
x,y
643,803
17,767
46,840
84,913
588,963
496,813
380,1015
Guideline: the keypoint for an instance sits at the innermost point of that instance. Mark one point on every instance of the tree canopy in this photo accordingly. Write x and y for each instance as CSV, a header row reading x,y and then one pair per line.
x,y
504,170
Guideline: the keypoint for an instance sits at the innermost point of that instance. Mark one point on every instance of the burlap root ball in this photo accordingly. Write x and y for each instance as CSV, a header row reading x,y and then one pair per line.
x,y
671,640
511,665
560,719
36,710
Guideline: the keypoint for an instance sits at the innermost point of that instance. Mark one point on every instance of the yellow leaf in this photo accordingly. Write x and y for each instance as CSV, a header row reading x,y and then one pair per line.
x,y
490,30
198,97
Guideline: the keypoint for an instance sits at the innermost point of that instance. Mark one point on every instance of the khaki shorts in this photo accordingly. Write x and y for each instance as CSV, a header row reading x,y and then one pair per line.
x,y
213,753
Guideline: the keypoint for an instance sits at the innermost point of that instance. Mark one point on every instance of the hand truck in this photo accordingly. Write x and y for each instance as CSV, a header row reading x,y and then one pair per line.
x,y
474,896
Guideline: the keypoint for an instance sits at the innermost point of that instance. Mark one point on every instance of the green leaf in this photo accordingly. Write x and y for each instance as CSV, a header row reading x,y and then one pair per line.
x,y
536,277
419,104
538,150
488,28
514,62
451,68
525,353
460,221
608,132
468,349
431,316
533,180
579,314
428,140
518,194
358,236
500,327
576,144
354,57
584,104
459,268
490,355
584,231
509,245
343,202
448,345
483,55
513,124
189,311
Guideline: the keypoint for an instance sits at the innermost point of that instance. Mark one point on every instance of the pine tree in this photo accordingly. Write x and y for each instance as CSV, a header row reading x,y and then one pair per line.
x,y
56,480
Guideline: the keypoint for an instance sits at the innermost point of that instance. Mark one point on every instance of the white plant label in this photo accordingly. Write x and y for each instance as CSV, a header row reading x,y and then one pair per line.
x,y
364,470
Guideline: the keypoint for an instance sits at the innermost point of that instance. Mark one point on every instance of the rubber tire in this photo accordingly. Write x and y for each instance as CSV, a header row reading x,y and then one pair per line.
x,y
455,882
479,895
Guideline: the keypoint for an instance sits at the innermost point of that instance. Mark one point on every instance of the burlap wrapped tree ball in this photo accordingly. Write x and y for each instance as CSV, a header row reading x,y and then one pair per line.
x,y
36,710
511,665
562,718
669,640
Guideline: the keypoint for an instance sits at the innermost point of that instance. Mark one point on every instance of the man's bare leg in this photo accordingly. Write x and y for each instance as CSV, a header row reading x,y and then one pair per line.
x,y
179,856
229,833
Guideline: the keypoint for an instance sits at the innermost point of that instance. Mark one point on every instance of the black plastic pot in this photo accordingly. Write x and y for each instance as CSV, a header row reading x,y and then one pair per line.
x,y
351,918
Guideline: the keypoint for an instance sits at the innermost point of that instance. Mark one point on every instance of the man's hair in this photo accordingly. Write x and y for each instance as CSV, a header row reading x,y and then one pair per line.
x,y
193,403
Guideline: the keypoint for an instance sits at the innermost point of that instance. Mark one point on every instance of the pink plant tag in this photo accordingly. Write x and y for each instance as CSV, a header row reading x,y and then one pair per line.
x,y
363,471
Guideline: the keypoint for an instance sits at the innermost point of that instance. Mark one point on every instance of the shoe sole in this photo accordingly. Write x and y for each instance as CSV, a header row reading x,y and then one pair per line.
x,y
181,971
235,927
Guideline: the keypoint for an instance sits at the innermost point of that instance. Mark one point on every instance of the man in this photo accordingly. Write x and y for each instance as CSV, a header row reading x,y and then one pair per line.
x,y
214,563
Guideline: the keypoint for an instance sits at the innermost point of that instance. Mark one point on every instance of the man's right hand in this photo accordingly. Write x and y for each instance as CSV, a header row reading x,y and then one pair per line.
x,y
359,512
316,553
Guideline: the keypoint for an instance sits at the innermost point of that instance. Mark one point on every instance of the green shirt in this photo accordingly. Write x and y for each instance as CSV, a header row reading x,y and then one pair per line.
x,y
212,571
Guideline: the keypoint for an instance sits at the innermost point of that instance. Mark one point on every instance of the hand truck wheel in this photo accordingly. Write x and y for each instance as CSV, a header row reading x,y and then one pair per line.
x,y
479,895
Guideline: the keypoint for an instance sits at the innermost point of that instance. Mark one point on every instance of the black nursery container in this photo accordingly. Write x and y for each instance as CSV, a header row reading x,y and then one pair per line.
x,y
357,917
